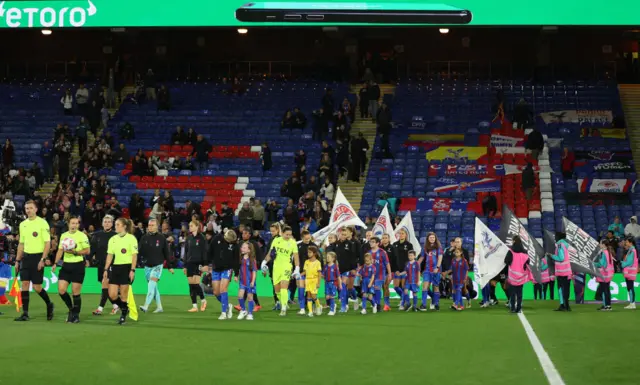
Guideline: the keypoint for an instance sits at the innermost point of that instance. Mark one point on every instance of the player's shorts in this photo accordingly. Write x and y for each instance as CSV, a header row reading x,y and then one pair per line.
x,y
193,269
301,278
379,283
365,286
119,274
29,269
72,272
399,276
311,286
153,272
248,289
330,289
458,286
282,272
412,287
433,278
220,275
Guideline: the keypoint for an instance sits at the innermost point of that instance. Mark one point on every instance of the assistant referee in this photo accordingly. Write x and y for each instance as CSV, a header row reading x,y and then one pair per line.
x,y
33,250
122,257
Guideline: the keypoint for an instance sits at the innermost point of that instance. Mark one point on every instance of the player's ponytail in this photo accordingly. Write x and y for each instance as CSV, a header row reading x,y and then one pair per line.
x,y
127,224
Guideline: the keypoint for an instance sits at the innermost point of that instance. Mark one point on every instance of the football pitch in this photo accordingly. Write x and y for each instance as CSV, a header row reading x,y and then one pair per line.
x,y
475,346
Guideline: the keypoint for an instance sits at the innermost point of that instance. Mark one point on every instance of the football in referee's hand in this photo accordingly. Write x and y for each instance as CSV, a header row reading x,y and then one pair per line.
x,y
68,244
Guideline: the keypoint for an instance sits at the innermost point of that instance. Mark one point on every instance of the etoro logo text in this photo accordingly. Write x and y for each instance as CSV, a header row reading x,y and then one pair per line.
x,y
46,17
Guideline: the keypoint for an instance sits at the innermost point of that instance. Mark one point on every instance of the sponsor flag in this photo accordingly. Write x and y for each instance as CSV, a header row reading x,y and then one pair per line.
x,y
15,293
613,133
131,304
604,156
590,166
383,225
510,226
604,185
578,116
457,153
489,254
583,250
406,224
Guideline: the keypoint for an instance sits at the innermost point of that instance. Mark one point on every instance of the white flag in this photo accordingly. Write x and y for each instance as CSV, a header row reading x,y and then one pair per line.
x,y
383,225
407,225
342,215
489,254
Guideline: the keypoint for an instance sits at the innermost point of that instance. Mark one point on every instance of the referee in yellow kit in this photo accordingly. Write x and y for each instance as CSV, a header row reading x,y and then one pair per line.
x,y
122,257
33,250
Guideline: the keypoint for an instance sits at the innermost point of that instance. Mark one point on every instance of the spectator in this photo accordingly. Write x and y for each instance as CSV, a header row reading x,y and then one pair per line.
x,y
82,99
522,115
528,181
347,109
616,227
272,211
535,143
633,228
31,181
373,96
67,103
164,99
341,127
245,216
321,125
104,117
265,156
328,104
127,132
36,172
320,215
361,148
150,85
312,185
299,120
103,147
342,158
81,134
136,208
121,155
179,137
287,120
46,153
192,137
201,151
63,150
109,139
168,202
568,159
363,101
309,224
156,210
292,220
384,119
489,206
328,190
354,169
226,216
258,215
292,188
113,208
7,154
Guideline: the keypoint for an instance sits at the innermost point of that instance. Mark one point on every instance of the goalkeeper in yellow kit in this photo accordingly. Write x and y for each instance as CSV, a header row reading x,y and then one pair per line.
x,y
312,271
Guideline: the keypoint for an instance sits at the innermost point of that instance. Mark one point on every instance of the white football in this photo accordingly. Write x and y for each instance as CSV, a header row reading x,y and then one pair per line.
x,y
68,244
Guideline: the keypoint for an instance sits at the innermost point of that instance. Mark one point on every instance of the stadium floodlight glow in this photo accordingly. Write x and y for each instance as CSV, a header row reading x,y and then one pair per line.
x,y
444,31
242,31
46,32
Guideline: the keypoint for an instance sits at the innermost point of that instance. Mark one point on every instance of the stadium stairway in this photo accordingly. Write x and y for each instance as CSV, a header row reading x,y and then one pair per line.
x,y
352,190
630,98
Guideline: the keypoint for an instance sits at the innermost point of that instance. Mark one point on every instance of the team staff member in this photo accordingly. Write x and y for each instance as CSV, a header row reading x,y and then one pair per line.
x,y
72,268
122,258
348,252
563,271
224,254
195,258
154,249
98,252
33,250
285,248
398,258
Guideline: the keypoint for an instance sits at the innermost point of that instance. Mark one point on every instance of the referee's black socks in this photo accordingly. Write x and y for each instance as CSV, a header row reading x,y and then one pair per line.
x,y
45,297
67,300
25,301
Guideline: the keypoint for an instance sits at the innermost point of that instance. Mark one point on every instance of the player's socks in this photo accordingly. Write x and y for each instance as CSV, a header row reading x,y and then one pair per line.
x,y
124,308
492,292
251,304
405,299
415,301
317,302
256,300
225,302
343,296
192,293
77,304
364,302
200,292
309,305
436,298
377,296
45,296
103,298
301,297
387,301
157,297
219,298
424,297
284,296
430,293
353,293
151,292
66,298
241,301
486,293
400,293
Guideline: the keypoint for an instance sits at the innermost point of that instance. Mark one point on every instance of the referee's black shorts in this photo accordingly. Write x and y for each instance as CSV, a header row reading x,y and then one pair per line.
x,y
72,272
29,269
119,274
101,272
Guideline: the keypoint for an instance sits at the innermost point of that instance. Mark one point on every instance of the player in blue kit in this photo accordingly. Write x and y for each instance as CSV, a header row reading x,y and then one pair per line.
x,y
432,257
411,276
383,270
368,274
331,276
459,270
246,278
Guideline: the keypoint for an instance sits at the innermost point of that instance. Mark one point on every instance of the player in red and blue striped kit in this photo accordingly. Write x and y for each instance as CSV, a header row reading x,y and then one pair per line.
x,y
246,279
331,275
432,257
383,270
368,274
411,281
459,270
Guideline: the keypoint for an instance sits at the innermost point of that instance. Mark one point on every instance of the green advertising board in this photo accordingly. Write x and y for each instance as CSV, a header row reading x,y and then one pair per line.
x,y
237,13
176,284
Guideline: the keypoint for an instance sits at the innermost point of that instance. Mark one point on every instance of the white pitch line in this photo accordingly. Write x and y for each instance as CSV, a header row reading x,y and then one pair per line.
x,y
547,366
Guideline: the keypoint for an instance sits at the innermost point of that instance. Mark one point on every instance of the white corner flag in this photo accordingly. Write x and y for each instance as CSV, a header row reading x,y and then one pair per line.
x,y
383,225
342,215
489,254
407,225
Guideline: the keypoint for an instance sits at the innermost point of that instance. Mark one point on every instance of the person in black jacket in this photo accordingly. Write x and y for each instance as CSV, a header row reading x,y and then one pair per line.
x,y
528,181
224,254
179,137
98,255
226,216
265,156
384,129
348,252
398,259
535,143
363,101
201,150
154,250
373,96
195,259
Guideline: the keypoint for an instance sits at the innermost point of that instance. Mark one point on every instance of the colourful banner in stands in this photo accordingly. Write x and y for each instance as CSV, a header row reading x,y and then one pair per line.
x,y
457,153
607,156
506,141
604,185
600,166
474,185
474,169
436,138
611,133
578,116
